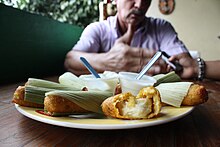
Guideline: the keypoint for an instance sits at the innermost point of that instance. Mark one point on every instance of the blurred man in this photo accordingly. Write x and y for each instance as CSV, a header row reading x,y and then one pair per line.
x,y
125,42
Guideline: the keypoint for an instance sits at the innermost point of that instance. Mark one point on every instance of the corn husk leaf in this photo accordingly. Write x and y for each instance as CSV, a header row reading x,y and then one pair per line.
x,y
35,89
88,100
35,94
48,84
167,78
71,80
173,93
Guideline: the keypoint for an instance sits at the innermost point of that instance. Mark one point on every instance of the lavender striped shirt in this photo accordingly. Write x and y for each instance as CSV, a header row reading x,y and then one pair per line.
x,y
156,34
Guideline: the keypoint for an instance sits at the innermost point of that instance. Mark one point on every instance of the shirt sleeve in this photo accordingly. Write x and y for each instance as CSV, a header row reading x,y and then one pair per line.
x,y
169,41
89,40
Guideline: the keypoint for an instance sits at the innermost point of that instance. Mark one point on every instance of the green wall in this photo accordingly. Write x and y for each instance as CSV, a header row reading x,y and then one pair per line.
x,y
32,45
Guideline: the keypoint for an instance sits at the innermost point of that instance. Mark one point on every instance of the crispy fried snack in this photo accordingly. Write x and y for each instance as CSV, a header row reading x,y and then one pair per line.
x,y
196,95
18,98
59,105
147,104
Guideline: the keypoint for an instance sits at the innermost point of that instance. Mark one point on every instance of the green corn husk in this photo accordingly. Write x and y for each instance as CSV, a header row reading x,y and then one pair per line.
x,y
71,80
88,100
35,94
167,78
173,93
35,89
49,84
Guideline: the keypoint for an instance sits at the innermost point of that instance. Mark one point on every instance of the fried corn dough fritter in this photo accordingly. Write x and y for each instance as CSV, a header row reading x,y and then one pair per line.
x,y
58,104
18,98
197,94
147,104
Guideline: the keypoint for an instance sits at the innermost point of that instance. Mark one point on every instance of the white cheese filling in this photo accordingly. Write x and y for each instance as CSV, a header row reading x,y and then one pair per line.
x,y
141,109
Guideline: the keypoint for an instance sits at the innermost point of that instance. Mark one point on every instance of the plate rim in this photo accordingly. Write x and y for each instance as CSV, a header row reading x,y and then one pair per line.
x,y
98,126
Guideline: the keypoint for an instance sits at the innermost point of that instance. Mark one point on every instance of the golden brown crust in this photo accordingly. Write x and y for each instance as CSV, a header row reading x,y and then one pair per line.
x,y
196,95
113,106
18,98
108,107
152,92
58,104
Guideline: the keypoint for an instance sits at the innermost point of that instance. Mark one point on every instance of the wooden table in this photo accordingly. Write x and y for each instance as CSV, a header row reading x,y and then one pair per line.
x,y
200,128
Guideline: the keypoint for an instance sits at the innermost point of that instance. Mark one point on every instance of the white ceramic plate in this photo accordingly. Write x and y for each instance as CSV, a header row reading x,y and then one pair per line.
x,y
167,114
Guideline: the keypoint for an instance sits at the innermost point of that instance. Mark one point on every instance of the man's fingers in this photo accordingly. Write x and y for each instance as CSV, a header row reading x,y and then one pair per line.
x,y
179,56
127,37
173,58
130,63
142,53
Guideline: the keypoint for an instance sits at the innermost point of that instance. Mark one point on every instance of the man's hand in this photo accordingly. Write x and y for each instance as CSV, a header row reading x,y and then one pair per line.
x,y
190,67
123,57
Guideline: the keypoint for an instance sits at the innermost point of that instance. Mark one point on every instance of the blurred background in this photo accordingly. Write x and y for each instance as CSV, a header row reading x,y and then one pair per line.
x,y
197,23
78,12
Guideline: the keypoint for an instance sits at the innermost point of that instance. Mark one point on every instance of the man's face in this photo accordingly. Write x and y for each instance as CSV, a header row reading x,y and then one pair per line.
x,y
132,11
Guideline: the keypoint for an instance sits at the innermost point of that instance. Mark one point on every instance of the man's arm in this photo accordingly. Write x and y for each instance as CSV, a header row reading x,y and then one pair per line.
x,y
191,67
212,69
120,58
168,39
74,64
